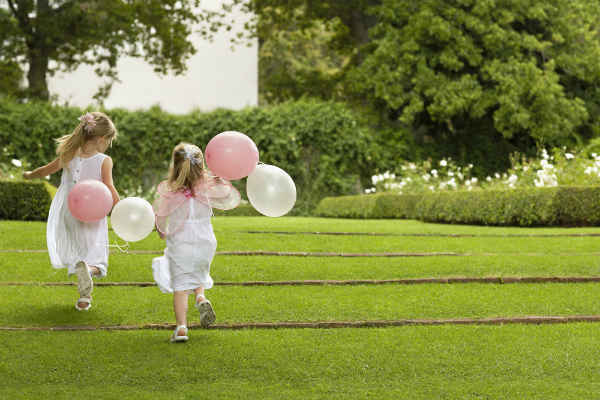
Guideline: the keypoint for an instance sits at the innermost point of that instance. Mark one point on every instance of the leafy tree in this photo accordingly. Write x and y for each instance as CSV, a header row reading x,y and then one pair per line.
x,y
521,67
52,35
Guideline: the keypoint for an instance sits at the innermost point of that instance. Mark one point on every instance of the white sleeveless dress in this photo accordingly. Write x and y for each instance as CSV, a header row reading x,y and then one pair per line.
x,y
70,240
190,250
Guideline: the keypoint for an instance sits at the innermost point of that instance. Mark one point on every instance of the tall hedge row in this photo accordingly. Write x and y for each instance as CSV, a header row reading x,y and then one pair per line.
x,y
556,206
323,146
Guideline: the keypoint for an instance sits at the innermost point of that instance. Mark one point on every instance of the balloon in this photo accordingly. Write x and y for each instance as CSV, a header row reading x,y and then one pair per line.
x,y
231,155
89,200
270,190
132,219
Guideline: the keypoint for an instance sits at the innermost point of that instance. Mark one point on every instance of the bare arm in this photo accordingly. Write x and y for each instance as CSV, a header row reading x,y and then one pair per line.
x,y
46,170
107,178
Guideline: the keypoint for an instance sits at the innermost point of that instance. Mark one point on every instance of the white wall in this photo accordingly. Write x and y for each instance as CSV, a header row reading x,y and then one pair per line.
x,y
216,77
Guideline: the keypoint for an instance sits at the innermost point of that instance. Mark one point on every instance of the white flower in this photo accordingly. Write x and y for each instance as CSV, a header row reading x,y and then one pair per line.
x,y
475,180
434,172
443,163
47,177
489,179
450,173
432,188
412,166
569,156
512,179
588,171
470,166
460,176
497,175
16,163
370,190
525,168
426,177
12,176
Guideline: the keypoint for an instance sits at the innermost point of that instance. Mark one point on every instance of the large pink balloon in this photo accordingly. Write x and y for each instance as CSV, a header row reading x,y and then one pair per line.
x,y
231,155
90,200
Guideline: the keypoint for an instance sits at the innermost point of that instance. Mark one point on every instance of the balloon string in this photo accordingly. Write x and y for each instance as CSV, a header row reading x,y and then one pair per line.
x,y
122,248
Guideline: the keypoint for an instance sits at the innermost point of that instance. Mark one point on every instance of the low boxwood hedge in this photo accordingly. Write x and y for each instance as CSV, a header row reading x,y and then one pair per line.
x,y
20,200
556,206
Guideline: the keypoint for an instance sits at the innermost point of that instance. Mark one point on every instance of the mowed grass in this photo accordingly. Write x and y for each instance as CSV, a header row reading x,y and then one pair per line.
x,y
53,306
438,362
231,236
413,362
35,267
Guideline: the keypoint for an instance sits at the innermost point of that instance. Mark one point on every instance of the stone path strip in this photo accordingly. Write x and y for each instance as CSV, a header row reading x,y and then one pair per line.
x,y
335,254
273,253
458,235
405,281
530,320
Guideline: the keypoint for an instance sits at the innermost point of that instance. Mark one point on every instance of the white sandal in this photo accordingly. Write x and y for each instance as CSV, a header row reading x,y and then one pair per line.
x,y
84,300
207,314
178,338
85,285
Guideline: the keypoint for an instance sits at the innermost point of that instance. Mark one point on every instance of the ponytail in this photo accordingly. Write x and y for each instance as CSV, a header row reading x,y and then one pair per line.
x,y
69,144
187,167
91,125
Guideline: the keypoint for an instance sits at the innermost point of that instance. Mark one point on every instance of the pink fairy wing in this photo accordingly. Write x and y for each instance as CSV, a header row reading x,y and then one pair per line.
x,y
164,206
217,193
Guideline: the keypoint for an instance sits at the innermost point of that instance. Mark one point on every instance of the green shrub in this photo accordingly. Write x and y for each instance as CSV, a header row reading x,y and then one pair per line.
x,y
555,206
323,146
243,210
30,201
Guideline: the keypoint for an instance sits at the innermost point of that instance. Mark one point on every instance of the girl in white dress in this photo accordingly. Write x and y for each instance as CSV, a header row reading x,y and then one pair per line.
x,y
81,247
183,211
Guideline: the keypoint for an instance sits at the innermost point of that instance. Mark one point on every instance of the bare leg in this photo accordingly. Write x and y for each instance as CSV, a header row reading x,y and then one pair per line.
x,y
199,292
180,305
95,271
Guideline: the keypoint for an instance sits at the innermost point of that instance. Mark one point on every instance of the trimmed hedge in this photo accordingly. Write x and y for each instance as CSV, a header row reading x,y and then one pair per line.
x,y
325,147
28,201
556,206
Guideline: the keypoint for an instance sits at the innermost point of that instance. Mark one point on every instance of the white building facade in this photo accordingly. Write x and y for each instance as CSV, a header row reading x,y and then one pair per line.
x,y
217,77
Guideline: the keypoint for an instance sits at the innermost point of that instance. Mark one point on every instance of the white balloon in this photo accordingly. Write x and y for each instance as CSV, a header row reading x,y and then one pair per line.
x,y
132,219
271,190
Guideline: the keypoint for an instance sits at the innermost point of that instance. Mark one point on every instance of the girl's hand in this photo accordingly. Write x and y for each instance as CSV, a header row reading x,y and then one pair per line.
x,y
27,175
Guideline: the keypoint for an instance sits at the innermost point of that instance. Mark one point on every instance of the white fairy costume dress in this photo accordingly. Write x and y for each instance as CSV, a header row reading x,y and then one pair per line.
x,y
70,240
184,218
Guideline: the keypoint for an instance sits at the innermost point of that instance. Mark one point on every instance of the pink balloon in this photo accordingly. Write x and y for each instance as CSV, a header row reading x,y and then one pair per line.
x,y
90,200
231,155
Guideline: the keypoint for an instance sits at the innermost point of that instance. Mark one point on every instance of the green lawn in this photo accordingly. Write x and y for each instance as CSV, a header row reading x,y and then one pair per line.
x,y
410,362
449,362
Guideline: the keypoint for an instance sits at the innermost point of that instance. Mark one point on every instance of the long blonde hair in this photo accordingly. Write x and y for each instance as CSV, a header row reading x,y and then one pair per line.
x,y
91,125
187,167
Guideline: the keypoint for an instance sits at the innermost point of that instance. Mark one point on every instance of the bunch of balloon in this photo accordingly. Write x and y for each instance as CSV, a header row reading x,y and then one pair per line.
x,y
89,200
270,190
233,155
132,219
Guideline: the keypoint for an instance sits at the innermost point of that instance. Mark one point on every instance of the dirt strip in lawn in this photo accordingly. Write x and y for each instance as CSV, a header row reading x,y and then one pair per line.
x,y
316,282
450,235
531,320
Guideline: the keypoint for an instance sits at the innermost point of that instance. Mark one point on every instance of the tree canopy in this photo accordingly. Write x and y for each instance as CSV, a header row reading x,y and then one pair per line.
x,y
52,35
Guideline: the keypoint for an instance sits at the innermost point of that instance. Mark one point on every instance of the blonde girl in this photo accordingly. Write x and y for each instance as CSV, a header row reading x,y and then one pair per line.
x,y
183,218
81,247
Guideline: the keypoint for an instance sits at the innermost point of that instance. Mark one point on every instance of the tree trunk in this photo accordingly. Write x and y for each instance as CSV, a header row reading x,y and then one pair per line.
x,y
38,54
36,76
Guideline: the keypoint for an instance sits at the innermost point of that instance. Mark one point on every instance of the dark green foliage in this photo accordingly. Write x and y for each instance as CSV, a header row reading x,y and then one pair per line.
x,y
28,201
556,206
324,147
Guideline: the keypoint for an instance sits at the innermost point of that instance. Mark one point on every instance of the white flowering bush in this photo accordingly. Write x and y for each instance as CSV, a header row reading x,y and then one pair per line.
x,y
558,168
